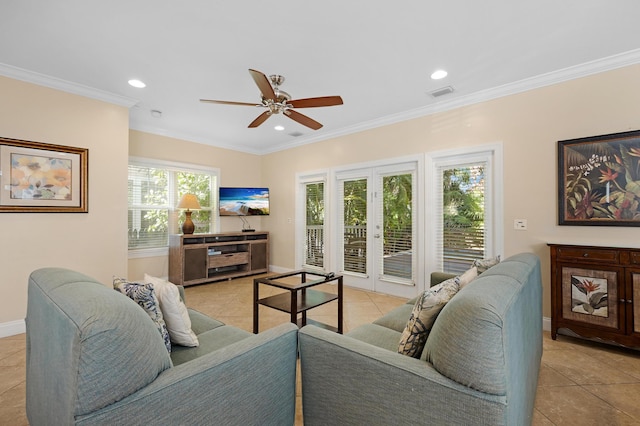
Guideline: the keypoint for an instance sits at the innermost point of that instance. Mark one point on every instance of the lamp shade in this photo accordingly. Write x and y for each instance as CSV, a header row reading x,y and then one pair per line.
x,y
189,202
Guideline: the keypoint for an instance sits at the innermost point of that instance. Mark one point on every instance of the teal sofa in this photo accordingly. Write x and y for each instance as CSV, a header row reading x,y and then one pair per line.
x,y
94,357
479,367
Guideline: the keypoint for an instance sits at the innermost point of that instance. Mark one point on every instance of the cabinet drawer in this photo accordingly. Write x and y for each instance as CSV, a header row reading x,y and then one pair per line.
x,y
635,257
588,254
228,259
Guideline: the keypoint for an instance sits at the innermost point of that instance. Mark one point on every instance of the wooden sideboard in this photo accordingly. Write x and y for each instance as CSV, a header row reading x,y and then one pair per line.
x,y
594,291
202,258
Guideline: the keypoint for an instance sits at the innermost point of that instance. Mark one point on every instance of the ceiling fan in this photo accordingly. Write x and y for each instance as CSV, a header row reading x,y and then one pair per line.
x,y
277,101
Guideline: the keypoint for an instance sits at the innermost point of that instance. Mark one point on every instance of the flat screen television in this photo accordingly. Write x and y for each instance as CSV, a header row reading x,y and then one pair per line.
x,y
244,201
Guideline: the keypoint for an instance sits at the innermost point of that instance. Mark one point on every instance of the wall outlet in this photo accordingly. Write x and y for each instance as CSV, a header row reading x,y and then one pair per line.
x,y
520,224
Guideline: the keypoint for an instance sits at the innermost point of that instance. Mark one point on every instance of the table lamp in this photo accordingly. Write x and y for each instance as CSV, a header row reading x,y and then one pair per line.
x,y
189,202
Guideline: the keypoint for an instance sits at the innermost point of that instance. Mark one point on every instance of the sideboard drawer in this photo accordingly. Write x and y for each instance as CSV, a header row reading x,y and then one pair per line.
x,y
635,257
229,259
589,254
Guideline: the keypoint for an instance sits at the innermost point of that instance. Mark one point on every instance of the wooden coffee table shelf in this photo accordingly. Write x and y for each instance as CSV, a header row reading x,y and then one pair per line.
x,y
299,298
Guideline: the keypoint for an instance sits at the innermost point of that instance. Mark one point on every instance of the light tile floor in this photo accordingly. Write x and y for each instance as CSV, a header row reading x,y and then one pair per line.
x,y
580,382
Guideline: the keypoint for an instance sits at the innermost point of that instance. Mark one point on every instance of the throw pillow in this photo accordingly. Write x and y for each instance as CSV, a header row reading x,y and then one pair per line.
x,y
174,312
468,276
144,296
423,315
485,264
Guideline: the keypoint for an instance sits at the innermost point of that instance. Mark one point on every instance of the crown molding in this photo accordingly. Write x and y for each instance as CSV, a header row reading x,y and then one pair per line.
x,y
65,86
192,138
571,73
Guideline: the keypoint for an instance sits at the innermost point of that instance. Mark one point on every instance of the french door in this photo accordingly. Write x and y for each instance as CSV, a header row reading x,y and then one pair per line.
x,y
376,218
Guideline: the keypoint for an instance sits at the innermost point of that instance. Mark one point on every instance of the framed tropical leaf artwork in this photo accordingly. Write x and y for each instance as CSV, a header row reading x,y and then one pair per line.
x,y
599,180
590,296
42,178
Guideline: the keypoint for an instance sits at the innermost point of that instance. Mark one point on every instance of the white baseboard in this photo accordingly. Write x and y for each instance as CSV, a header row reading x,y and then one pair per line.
x,y
279,269
12,328
546,323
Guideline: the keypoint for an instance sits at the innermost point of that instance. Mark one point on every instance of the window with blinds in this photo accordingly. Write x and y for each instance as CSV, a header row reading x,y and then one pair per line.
x,y
155,189
314,229
461,224
354,206
398,226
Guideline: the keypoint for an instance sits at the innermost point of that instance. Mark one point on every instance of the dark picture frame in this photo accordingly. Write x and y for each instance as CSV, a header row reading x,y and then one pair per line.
x,y
599,180
37,177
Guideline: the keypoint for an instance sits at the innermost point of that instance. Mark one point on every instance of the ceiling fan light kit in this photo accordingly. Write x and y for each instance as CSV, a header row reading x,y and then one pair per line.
x,y
277,101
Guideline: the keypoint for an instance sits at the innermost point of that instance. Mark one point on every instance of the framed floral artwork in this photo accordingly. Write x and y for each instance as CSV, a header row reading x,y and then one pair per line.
x,y
590,296
37,177
599,180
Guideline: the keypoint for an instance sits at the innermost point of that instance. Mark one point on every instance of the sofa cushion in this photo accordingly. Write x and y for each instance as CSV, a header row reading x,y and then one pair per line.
x,y
145,296
377,335
467,342
201,323
210,341
423,315
174,312
80,342
396,319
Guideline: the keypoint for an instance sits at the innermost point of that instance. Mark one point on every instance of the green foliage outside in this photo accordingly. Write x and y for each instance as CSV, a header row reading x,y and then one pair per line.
x,y
315,203
154,188
463,197
355,203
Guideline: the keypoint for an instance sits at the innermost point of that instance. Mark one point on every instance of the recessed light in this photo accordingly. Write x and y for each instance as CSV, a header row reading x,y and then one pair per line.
x,y
137,83
155,113
439,74
279,128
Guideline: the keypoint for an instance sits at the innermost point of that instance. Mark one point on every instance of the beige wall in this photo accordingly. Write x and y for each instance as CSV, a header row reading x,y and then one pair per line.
x,y
92,243
527,124
236,169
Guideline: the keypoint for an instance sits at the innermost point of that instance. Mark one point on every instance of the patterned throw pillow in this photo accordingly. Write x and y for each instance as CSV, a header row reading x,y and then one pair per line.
x,y
144,296
424,314
468,276
174,311
485,264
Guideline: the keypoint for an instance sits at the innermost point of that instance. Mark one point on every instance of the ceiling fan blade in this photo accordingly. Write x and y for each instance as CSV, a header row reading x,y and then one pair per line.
x,y
323,101
263,84
228,102
302,119
260,119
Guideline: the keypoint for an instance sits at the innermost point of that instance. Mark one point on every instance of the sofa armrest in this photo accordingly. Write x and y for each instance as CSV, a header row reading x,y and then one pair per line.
x,y
346,381
249,382
438,277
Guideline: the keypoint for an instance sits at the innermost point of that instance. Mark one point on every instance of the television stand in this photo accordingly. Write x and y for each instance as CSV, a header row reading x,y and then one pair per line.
x,y
203,258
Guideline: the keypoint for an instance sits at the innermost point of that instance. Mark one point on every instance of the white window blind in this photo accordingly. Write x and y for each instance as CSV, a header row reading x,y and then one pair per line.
x,y
314,229
396,211
462,219
354,218
154,190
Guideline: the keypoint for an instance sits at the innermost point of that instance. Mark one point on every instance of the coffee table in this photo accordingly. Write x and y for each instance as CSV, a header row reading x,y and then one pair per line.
x,y
299,298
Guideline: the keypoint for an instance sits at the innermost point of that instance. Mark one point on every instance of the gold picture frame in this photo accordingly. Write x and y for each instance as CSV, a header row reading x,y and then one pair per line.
x,y
36,177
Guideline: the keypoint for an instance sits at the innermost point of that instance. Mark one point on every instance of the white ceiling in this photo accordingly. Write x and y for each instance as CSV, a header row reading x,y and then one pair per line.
x,y
377,55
